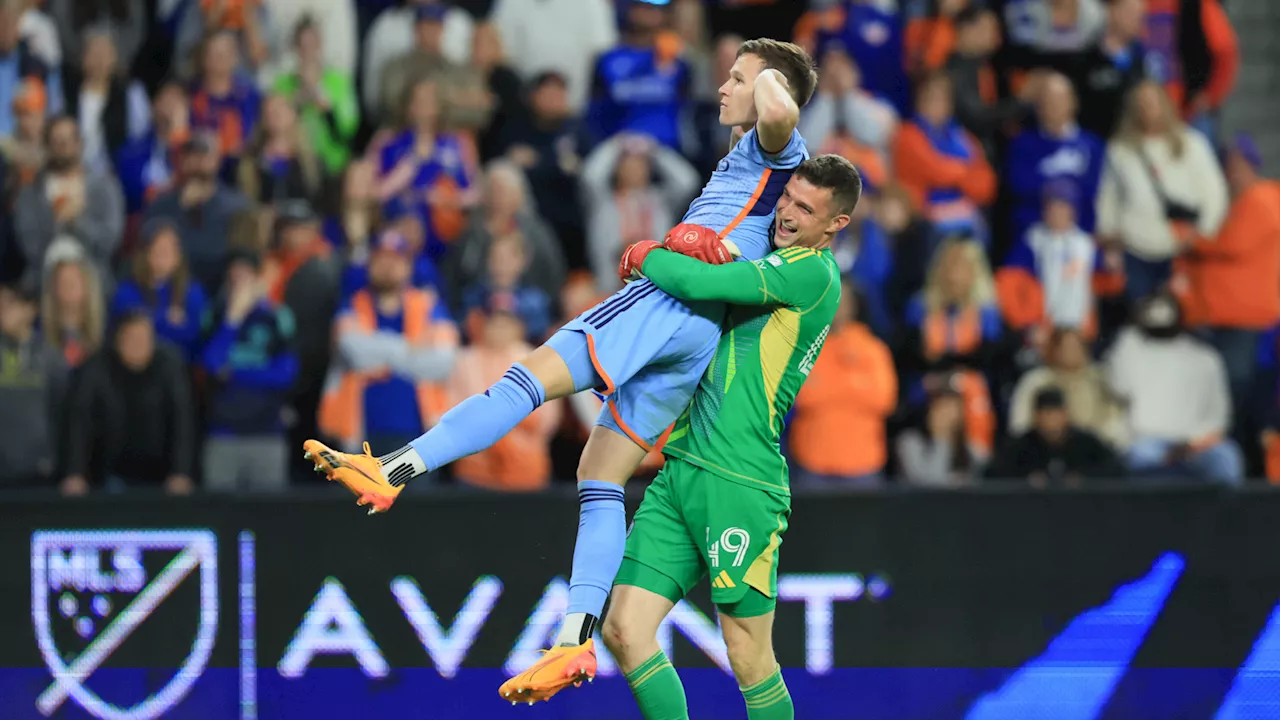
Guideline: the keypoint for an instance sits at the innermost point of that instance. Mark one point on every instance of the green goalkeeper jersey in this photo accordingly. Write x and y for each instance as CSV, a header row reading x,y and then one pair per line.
x,y
782,308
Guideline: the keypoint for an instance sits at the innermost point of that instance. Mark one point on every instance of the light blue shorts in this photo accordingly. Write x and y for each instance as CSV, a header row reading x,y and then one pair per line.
x,y
644,352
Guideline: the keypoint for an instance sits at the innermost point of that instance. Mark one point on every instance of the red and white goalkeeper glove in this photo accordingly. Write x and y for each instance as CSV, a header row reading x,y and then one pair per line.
x,y
633,259
698,242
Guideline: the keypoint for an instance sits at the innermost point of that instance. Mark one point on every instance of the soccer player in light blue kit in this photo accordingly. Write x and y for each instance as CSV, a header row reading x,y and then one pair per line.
x,y
642,349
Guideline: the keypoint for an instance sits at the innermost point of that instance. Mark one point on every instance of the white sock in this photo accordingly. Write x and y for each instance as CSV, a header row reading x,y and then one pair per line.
x,y
402,465
576,629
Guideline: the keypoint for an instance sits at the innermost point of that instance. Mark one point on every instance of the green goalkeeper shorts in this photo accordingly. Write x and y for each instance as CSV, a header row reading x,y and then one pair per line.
x,y
693,523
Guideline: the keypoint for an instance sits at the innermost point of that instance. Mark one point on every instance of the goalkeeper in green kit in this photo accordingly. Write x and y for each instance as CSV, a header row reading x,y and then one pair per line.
x,y
721,504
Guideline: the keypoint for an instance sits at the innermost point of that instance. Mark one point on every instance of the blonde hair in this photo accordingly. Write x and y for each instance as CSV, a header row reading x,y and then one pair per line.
x,y
94,320
1129,131
982,292
303,151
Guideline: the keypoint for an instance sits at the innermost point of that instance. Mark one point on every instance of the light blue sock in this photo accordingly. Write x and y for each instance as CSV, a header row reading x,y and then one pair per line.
x,y
481,420
602,537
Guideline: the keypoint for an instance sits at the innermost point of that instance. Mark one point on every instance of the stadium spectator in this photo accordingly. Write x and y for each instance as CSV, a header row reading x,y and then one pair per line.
x,y
939,451
547,143
942,165
560,36
33,379
872,33
1055,149
251,367
161,283
503,289
1227,284
224,100
279,163
500,100
689,23
1177,396
18,64
40,33
25,149
520,461
954,321
1089,403
1194,54
635,189
979,107
336,17
952,335
424,61
201,206
862,253
406,224
1041,29
852,389
125,21
846,120
425,169
396,346
245,25
1054,451
110,108
147,166
912,241
506,212
67,199
358,209
392,34
72,308
1105,73
323,94
643,85
1054,272
929,34
1161,183
131,419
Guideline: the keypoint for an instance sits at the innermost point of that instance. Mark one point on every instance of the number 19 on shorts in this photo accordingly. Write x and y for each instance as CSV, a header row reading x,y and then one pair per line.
x,y
733,542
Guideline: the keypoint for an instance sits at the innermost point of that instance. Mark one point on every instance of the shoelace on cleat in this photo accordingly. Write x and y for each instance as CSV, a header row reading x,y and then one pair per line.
x,y
369,453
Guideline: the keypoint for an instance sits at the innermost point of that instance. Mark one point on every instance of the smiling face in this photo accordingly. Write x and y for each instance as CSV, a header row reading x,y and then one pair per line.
x,y
737,94
806,216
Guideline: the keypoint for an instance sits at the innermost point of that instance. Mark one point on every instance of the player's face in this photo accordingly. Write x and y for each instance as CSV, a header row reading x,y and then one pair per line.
x,y
737,94
805,216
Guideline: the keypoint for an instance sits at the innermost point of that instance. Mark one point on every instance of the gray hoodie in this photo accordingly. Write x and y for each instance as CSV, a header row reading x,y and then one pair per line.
x,y
32,387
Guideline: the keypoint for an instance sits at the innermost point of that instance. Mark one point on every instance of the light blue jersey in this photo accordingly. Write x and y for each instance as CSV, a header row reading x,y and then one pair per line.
x,y
645,350
739,198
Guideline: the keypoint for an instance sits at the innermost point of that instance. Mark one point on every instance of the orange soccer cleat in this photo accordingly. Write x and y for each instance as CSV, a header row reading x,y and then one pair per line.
x,y
361,474
559,668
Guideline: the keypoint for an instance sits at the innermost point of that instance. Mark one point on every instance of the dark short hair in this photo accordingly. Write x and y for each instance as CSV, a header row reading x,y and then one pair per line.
x,y
789,59
836,174
57,121
131,316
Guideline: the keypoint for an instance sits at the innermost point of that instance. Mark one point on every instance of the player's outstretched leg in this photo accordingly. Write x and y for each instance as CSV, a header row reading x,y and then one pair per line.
x,y
471,426
631,634
602,537
749,642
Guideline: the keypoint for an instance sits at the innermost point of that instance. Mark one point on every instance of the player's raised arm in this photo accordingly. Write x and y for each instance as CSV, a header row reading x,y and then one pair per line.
x,y
776,111
792,276
768,84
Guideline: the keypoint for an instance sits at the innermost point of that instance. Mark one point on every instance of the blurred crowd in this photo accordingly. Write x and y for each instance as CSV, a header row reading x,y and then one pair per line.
x,y
230,225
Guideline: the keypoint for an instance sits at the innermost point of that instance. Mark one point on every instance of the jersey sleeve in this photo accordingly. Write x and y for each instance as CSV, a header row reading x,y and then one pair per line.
x,y
787,159
796,277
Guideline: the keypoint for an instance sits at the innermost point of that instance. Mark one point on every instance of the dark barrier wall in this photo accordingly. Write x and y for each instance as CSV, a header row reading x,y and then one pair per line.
x,y
991,606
